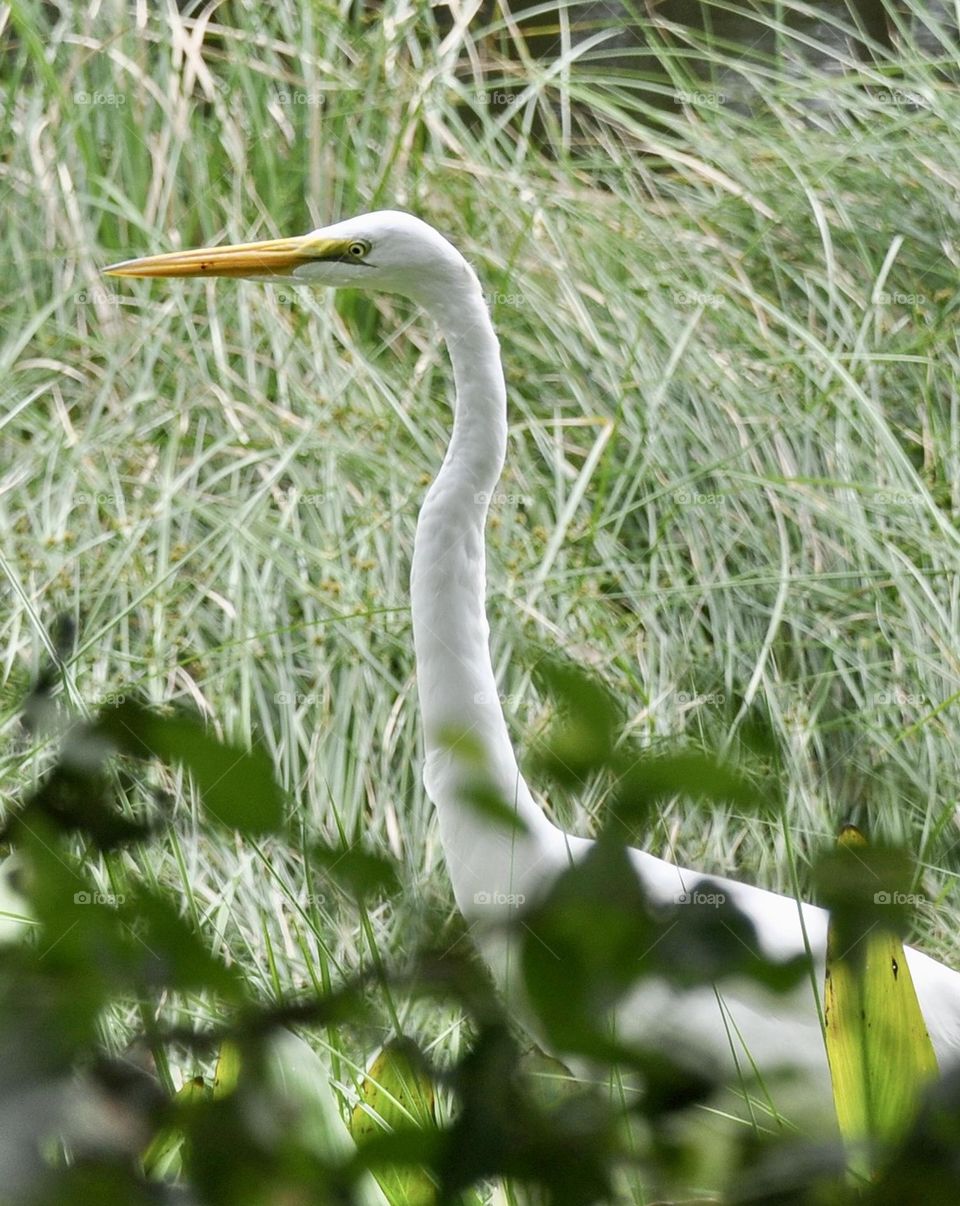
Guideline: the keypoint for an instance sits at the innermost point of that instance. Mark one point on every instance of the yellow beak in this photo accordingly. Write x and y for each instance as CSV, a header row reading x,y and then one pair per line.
x,y
274,257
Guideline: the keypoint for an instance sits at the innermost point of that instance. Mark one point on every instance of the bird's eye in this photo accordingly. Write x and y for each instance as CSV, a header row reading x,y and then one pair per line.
x,y
358,249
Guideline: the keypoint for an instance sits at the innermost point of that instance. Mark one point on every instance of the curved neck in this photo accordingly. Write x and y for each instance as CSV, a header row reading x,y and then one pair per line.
x,y
465,733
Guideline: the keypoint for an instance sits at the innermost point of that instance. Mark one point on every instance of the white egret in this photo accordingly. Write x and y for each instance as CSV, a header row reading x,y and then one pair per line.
x,y
733,1025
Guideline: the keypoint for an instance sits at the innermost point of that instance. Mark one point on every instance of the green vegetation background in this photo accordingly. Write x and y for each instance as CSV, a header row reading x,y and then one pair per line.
x,y
725,286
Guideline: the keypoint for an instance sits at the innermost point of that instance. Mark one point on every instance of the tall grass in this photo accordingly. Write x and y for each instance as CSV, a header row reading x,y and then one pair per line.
x,y
725,285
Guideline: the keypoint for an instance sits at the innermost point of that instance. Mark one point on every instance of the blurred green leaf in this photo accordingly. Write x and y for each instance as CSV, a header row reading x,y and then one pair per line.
x,y
865,886
583,736
489,803
103,1183
479,793
645,778
583,946
237,785
924,1167
241,1149
81,799
359,871
596,934
501,1130
169,953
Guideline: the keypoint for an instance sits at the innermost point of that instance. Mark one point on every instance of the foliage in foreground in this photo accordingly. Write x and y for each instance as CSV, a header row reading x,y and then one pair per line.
x,y
756,302
94,1122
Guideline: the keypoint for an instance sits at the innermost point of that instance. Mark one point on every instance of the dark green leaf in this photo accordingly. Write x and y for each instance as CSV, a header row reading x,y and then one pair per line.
x,y
359,871
237,785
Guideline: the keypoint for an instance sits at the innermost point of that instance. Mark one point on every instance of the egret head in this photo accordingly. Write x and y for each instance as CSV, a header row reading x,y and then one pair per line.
x,y
387,250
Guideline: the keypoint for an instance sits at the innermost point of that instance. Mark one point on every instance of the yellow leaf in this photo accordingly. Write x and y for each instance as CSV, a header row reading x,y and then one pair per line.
x,y
396,1094
162,1157
878,1048
227,1072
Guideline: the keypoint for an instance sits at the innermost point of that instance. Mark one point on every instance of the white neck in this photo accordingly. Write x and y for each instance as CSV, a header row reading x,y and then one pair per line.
x,y
459,700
